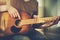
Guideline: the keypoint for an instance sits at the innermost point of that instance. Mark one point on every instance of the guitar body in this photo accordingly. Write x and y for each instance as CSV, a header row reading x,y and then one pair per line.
x,y
8,24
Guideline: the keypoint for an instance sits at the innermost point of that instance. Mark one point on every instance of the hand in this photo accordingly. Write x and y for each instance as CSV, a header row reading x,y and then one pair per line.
x,y
48,24
36,16
13,12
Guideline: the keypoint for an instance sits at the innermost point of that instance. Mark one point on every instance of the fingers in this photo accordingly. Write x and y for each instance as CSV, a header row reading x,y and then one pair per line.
x,y
13,12
47,24
56,20
18,15
35,16
10,14
59,18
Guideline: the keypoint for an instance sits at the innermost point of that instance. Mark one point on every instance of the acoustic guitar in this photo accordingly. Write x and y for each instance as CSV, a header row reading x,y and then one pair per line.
x,y
11,25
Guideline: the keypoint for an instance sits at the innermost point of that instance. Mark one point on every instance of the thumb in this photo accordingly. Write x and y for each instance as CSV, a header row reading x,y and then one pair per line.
x,y
35,16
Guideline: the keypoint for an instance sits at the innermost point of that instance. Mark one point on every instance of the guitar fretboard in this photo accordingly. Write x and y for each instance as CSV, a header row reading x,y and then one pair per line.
x,y
36,20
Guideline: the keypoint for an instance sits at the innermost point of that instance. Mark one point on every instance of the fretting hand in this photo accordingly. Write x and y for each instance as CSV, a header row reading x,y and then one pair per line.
x,y
48,24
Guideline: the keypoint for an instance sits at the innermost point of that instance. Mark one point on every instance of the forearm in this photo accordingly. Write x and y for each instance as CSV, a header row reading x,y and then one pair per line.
x,y
4,5
8,4
2,2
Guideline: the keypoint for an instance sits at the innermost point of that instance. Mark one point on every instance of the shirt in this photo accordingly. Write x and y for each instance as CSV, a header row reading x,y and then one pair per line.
x,y
31,7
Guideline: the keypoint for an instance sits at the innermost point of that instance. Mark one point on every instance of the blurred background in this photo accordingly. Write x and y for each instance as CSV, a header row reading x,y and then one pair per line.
x,y
51,8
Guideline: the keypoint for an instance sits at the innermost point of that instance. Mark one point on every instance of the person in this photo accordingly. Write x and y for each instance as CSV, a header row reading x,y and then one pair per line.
x,y
29,6
2,9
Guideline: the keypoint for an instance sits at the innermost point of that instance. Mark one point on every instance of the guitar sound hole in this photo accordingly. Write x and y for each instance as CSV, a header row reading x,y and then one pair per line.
x,y
15,30
17,22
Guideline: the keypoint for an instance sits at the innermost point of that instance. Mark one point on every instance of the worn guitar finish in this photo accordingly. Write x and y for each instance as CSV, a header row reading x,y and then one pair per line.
x,y
10,24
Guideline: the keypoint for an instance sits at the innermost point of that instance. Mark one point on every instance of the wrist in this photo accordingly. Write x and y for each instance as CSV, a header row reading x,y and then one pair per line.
x,y
3,8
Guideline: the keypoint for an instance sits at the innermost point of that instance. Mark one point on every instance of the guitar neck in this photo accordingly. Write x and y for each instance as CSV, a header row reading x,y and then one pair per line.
x,y
36,20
